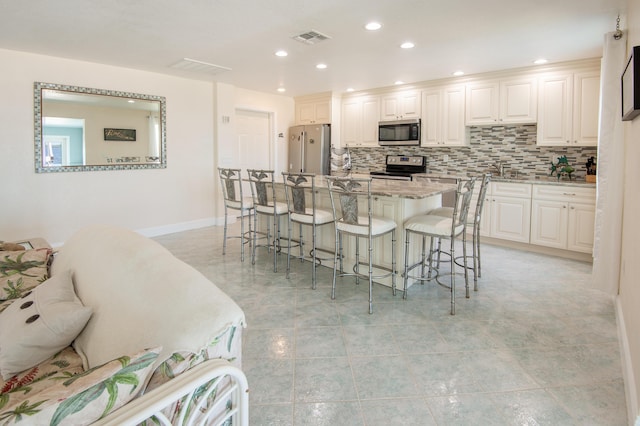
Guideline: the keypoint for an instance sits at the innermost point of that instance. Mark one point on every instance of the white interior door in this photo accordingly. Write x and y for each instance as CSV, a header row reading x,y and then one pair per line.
x,y
254,141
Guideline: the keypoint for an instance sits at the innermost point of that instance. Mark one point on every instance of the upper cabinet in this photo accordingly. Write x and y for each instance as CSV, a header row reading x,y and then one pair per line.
x,y
506,101
400,105
443,116
360,121
313,110
568,109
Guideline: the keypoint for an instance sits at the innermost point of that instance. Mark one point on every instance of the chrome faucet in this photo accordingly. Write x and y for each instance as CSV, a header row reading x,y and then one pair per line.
x,y
499,168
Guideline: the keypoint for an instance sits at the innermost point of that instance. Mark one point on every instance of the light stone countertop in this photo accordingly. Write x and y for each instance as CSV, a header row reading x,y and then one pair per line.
x,y
546,180
397,188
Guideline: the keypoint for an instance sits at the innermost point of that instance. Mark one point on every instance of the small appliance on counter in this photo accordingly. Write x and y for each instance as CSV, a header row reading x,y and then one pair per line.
x,y
309,149
401,167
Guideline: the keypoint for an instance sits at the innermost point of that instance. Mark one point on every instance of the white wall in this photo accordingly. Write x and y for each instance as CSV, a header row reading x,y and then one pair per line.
x,y
629,298
182,196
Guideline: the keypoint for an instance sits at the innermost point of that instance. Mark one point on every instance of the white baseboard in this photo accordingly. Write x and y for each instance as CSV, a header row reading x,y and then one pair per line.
x,y
631,390
179,227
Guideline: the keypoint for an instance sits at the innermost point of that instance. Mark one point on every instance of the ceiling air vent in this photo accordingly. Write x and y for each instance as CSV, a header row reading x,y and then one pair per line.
x,y
199,66
311,37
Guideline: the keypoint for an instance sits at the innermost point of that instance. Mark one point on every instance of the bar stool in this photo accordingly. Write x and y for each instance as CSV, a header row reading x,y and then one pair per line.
x,y
263,190
300,193
345,192
476,222
231,182
437,228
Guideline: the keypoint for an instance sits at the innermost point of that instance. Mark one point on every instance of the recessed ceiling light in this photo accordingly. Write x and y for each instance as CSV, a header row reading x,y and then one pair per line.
x,y
321,66
407,45
281,89
131,101
458,73
399,82
281,53
350,89
373,26
540,61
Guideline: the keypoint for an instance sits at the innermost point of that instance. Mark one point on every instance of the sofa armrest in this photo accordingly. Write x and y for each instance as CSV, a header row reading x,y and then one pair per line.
x,y
211,373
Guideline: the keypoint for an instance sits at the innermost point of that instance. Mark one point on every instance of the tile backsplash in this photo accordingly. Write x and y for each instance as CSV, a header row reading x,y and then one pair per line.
x,y
513,146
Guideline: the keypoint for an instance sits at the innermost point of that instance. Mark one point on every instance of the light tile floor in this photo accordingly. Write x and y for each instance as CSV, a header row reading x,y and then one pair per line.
x,y
534,345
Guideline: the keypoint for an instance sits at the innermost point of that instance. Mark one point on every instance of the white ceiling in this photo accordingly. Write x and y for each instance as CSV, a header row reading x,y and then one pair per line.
x,y
470,35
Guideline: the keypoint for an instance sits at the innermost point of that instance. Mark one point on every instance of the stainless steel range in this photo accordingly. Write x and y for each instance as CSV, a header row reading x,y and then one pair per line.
x,y
401,167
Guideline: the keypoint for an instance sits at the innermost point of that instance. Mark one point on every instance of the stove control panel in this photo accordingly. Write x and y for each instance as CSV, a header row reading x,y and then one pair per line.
x,y
411,160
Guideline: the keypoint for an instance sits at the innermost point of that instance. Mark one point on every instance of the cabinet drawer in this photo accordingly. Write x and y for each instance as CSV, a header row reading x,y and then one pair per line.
x,y
509,189
564,193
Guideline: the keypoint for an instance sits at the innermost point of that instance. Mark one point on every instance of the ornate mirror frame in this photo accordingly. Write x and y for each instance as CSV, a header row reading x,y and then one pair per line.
x,y
121,163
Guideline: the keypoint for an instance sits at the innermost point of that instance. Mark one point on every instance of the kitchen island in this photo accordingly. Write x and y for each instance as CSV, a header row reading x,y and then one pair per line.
x,y
393,199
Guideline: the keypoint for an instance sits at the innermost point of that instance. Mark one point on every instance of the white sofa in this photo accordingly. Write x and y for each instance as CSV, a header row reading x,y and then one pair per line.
x,y
142,299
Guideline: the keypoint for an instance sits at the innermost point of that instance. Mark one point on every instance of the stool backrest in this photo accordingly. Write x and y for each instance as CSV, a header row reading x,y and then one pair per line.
x,y
347,191
231,182
263,187
484,185
296,187
463,201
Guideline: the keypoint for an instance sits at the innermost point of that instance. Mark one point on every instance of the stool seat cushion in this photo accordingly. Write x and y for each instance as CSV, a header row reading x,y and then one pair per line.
x,y
281,208
322,216
379,226
247,203
432,224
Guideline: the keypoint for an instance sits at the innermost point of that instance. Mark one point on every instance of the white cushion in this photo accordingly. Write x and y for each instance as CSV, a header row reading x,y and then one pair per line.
x,y
432,224
167,302
379,226
40,324
247,203
281,208
322,216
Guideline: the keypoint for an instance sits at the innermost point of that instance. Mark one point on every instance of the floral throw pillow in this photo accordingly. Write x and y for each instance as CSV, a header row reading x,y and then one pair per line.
x,y
85,397
20,271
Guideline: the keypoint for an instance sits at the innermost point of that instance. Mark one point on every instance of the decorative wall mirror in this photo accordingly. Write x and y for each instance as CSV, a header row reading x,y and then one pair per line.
x,y
85,129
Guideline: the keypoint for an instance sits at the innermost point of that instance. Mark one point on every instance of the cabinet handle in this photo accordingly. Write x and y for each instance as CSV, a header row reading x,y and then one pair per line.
x,y
564,206
572,194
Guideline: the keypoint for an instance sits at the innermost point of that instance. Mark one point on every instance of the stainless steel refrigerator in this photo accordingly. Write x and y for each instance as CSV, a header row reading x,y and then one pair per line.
x,y
309,149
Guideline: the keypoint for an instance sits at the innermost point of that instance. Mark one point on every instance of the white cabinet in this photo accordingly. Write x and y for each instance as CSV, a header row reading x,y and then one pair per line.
x,y
501,102
359,121
563,217
400,105
510,211
313,111
443,116
568,109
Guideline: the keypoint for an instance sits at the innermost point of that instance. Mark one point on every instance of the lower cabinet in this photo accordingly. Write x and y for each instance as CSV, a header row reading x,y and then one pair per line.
x,y
508,210
563,217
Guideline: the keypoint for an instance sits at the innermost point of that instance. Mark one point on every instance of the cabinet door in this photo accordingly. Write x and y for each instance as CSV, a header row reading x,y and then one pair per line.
x,y
510,218
370,118
554,110
389,107
549,223
410,104
518,101
453,128
351,122
581,227
306,113
586,104
431,117
323,112
482,103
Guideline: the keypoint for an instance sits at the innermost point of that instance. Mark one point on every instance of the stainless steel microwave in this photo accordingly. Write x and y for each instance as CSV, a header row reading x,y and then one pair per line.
x,y
400,132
